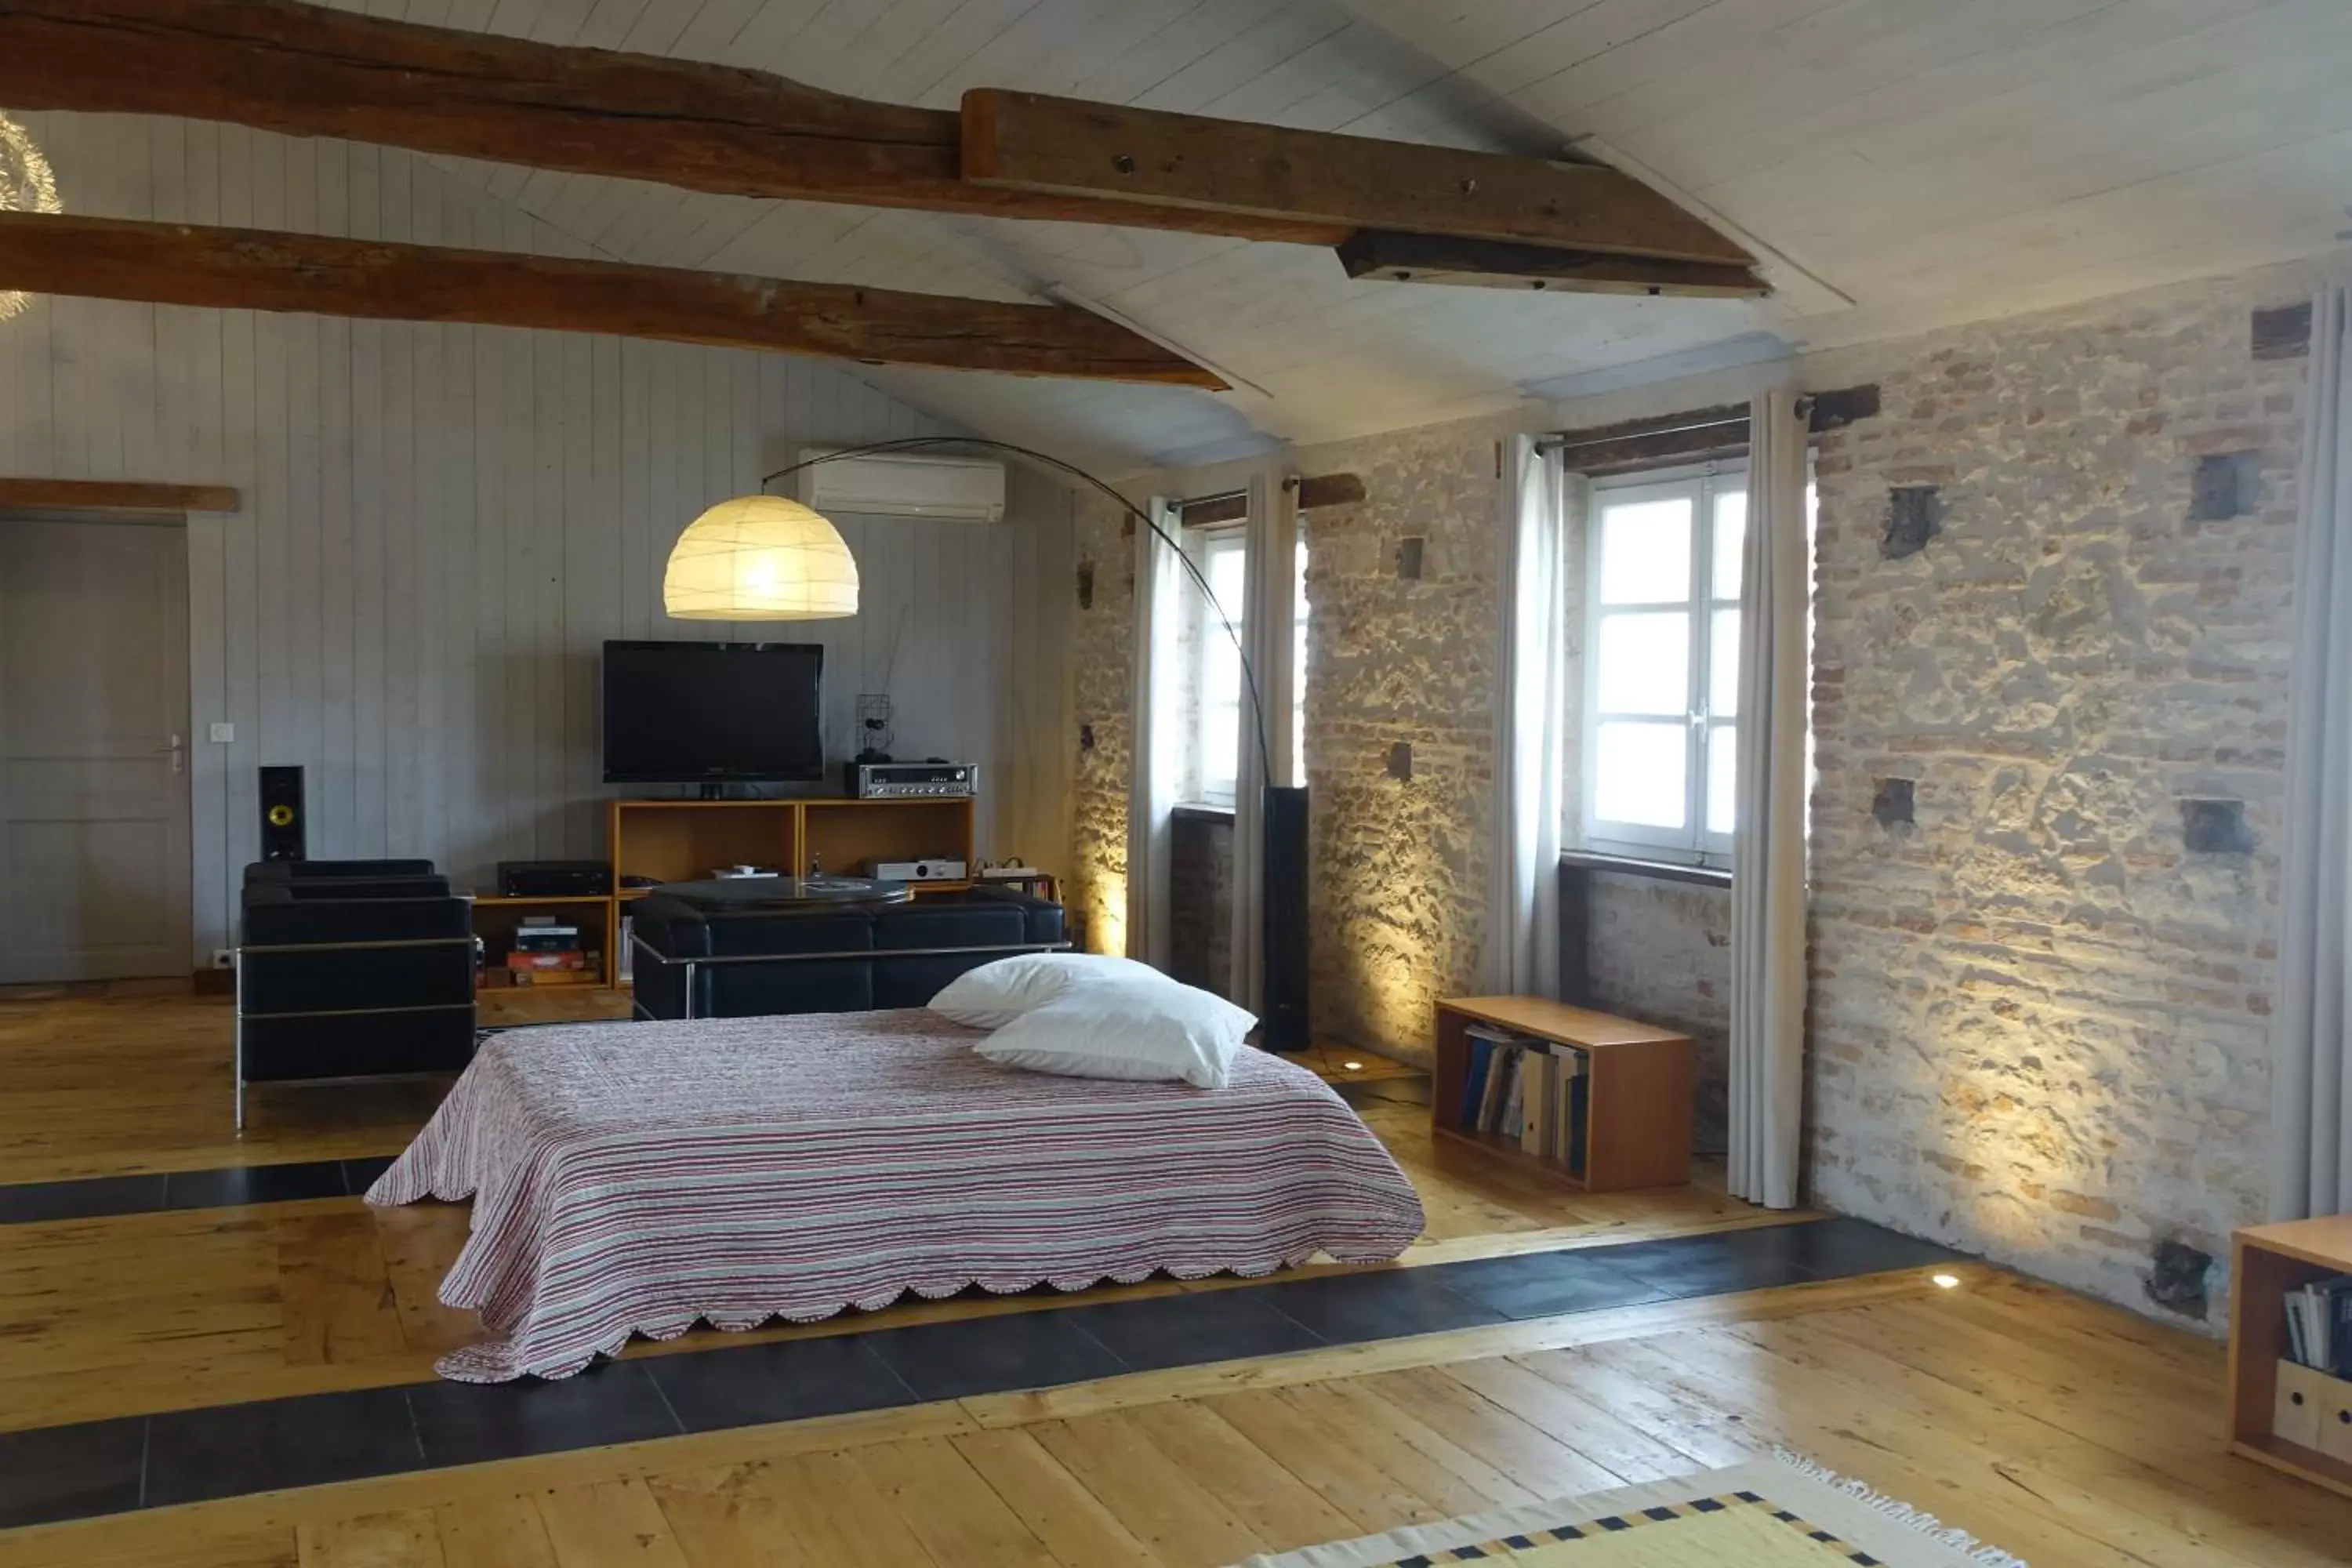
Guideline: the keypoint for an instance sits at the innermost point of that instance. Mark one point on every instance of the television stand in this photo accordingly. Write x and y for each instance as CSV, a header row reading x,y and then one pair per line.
x,y
679,840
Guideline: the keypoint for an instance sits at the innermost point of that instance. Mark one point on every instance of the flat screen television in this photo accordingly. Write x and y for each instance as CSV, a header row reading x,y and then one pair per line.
x,y
713,712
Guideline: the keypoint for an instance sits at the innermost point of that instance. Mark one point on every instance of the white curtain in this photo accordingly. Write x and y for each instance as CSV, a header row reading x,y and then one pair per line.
x,y
1266,617
2311,1135
1529,720
1768,889
1159,736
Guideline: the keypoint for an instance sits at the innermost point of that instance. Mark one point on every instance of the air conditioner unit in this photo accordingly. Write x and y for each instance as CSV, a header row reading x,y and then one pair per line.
x,y
901,484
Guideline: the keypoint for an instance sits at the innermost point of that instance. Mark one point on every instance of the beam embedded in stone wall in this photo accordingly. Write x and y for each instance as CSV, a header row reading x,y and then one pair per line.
x,y
1330,489
1320,490
1696,435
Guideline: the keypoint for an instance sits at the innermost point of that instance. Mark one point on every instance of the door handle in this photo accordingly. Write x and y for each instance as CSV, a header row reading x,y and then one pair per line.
x,y
179,753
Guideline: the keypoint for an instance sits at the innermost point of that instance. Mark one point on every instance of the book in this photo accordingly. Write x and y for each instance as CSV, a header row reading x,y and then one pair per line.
x,y
2319,1325
1506,1112
553,977
572,958
1534,1101
1474,1079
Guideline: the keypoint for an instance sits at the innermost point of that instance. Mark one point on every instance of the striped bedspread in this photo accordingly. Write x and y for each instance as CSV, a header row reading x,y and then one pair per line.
x,y
636,1178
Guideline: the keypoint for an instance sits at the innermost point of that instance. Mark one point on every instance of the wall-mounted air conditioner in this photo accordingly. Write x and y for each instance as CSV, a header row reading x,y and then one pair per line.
x,y
905,484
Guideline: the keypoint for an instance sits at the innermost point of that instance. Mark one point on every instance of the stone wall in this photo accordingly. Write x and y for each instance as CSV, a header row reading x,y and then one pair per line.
x,y
1200,899
1397,916
1398,910
1661,951
1102,701
2038,1017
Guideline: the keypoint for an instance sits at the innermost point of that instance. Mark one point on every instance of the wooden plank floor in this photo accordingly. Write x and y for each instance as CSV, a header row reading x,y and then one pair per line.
x,y
2076,1435
134,1314
2070,1433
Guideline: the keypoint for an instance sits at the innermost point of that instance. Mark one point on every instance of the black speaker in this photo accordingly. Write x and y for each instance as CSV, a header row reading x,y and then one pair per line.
x,y
1284,819
284,822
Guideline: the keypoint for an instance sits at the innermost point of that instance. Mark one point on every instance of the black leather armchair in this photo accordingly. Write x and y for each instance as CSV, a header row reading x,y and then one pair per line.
x,y
352,969
697,963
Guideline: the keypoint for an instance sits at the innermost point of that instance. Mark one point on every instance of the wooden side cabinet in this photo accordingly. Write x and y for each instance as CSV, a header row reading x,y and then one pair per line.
x,y
1639,1109
2290,1417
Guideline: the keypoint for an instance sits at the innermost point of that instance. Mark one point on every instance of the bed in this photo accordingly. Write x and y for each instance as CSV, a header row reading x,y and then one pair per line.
x,y
638,1178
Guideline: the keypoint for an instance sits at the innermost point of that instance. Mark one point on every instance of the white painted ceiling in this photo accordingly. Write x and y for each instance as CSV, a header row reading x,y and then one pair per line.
x,y
1904,163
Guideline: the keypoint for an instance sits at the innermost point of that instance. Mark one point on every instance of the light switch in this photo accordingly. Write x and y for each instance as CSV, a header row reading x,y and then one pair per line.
x,y
223,734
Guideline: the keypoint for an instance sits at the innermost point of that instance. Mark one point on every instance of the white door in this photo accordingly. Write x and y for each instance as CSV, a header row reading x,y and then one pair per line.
x,y
93,750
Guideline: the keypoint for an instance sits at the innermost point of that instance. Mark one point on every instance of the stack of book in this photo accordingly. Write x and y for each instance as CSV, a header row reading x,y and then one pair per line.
x,y
547,952
2319,1325
1532,1092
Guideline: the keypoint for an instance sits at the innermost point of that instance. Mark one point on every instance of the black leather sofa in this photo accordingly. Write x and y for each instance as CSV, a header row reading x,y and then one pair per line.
x,y
352,969
693,961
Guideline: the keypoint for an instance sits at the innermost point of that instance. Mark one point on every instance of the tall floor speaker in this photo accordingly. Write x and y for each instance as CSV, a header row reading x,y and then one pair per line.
x,y
285,826
1284,817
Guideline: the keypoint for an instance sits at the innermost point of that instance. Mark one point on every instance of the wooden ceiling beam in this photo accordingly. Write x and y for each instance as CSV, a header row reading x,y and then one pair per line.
x,y
138,496
306,70
1066,146
174,264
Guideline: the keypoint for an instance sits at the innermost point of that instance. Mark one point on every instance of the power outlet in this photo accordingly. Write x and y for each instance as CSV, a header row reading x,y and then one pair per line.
x,y
223,958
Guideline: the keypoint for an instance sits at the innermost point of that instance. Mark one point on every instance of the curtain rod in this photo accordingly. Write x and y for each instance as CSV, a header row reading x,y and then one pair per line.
x,y
1558,438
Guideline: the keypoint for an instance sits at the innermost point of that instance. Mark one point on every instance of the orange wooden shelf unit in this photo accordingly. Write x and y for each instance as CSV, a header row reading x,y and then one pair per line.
x,y
2267,1392
1640,1106
685,840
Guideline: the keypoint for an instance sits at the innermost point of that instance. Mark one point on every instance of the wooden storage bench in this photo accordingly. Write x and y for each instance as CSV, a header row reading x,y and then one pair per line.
x,y
1639,1108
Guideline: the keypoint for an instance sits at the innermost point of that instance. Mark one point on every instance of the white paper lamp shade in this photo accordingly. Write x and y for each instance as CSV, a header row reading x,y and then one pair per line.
x,y
760,557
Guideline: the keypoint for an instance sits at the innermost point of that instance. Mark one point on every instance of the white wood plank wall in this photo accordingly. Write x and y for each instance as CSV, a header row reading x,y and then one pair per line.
x,y
443,524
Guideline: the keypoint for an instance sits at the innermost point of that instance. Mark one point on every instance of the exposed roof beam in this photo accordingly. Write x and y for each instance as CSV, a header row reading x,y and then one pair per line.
x,y
1028,141
233,268
307,70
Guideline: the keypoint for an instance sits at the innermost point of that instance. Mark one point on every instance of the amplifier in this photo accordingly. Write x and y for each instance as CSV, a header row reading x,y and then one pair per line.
x,y
554,879
916,871
910,781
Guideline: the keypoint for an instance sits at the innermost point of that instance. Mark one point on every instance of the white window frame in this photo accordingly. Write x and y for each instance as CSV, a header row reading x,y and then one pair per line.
x,y
1209,632
1691,843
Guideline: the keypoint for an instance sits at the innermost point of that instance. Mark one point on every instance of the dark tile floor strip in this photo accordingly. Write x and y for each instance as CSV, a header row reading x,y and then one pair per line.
x,y
116,1466
101,1197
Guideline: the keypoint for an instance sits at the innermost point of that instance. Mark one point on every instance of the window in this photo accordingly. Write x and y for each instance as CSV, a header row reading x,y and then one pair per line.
x,y
1224,560
1661,662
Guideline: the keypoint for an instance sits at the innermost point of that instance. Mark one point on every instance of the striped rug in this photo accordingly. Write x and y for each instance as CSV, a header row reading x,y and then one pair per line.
x,y
1784,1514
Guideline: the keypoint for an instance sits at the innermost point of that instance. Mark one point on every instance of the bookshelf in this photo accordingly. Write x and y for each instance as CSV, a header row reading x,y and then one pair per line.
x,y
2267,1262
1639,1107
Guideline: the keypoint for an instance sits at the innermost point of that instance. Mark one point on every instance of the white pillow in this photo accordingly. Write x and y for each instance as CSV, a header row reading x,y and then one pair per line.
x,y
1146,1031
995,994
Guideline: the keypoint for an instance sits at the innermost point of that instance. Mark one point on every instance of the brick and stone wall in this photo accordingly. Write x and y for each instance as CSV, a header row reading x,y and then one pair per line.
x,y
2039,1014
1102,699
1401,677
1661,951
2048,660
1201,900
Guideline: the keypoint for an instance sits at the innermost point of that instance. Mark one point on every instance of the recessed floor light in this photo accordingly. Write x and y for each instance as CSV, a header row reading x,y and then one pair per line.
x,y
1352,1067
1947,1281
